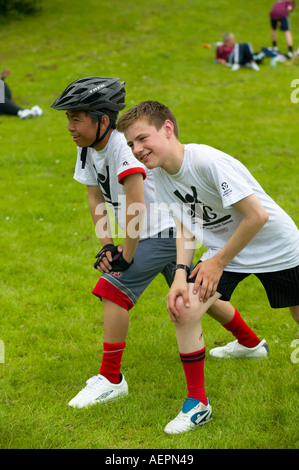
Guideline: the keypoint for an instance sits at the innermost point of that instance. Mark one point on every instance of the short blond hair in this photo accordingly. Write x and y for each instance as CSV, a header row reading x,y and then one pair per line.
x,y
227,36
156,114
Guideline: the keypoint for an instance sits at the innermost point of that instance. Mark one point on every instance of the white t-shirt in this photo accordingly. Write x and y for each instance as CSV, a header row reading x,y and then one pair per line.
x,y
107,168
201,196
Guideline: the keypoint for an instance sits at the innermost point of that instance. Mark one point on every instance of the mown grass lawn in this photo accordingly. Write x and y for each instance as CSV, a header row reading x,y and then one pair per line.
x,y
51,325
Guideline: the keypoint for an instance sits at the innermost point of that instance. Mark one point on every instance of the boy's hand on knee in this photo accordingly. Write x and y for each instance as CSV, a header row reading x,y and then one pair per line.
x,y
179,288
207,275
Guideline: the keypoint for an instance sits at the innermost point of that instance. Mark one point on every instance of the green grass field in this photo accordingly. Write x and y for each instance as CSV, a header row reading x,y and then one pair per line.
x,y
51,324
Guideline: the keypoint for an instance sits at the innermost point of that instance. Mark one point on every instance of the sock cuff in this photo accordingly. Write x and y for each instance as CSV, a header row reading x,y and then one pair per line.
x,y
113,347
195,356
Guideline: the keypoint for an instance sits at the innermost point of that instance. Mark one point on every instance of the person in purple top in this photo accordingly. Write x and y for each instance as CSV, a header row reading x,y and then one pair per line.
x,y
280,15
234,54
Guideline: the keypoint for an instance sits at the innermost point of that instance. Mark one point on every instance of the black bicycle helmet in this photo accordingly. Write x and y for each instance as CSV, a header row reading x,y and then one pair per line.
x,y
92,94
97,95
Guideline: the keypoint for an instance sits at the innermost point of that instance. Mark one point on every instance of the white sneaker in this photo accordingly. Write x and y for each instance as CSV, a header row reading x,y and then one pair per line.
x,y
25,113
36,111
253,66
99,390
193,414
235,67
236,350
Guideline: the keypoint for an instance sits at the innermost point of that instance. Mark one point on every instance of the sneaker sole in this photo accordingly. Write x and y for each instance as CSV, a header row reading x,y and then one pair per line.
x,y
171,433
249,356
261,353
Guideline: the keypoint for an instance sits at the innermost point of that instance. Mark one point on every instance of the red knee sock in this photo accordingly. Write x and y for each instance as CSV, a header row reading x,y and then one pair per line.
x,y
242,332
193,364
111,362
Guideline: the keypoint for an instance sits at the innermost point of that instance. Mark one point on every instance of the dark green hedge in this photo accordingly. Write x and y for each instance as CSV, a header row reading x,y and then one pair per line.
x,y
19,7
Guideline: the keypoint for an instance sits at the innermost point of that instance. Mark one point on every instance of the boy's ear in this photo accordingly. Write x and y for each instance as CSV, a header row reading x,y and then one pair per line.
x,y
168,127
105,120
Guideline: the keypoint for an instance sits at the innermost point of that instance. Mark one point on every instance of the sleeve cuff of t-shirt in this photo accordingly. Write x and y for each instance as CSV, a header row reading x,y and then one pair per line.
x,y
131,171
231,201
86,182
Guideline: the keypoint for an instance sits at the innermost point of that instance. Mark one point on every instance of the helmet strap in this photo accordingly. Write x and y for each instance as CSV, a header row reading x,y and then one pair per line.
x,y
98,138
97,141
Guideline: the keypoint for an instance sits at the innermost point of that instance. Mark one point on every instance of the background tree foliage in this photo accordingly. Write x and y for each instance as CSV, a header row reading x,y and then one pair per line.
x,y
19,7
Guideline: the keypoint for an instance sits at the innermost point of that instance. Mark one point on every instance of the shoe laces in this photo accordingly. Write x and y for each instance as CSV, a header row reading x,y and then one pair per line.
x,y
231,346
182,418
91,385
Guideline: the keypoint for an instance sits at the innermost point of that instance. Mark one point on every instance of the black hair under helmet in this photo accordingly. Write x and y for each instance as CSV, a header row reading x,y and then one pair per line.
x,y
92,94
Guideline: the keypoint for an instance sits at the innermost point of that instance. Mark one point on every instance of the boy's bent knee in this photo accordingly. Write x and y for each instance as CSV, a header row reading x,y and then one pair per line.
x,y
195,311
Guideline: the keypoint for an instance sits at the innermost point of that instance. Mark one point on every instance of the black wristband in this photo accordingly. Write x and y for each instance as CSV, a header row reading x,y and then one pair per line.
x,y
184,267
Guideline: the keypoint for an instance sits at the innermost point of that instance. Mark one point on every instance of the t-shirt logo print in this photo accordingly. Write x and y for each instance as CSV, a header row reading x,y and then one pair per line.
x,y
226,189
199,210
104,183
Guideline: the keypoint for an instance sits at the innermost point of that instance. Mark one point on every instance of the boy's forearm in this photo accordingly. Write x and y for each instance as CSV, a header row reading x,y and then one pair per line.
x,y
134,222
135,212
99,215
238,241
254,218
102,227
185,245
130,245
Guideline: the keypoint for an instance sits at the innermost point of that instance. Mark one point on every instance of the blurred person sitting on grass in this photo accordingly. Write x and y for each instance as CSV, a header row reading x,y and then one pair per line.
x,y
214,199
7,105
235,55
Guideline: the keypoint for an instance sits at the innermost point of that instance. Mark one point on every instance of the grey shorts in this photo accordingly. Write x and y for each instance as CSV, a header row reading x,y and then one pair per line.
x,y
152,257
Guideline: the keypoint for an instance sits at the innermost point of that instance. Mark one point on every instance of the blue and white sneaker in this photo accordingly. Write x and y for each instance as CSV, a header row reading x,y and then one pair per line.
x,y
99,390
194,413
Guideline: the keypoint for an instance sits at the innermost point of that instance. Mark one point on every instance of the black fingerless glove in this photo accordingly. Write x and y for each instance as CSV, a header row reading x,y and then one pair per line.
x,y
103,253
118,262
